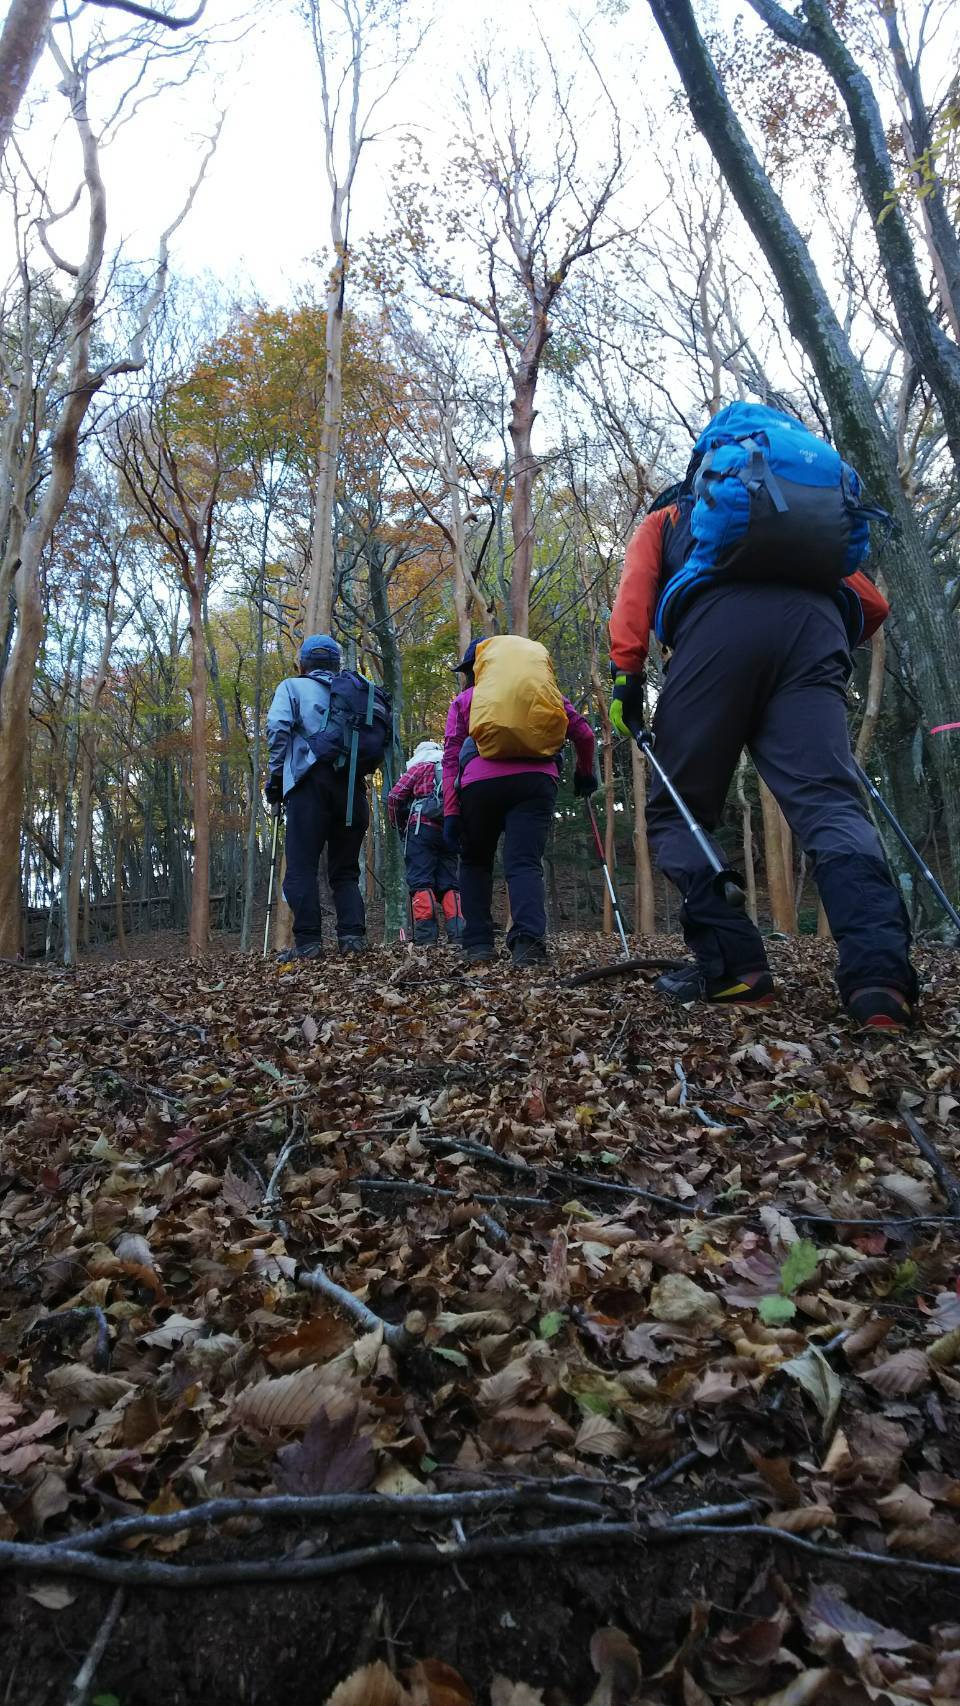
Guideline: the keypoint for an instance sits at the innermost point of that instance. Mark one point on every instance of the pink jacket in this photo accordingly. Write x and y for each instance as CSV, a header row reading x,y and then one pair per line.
x,y
483,769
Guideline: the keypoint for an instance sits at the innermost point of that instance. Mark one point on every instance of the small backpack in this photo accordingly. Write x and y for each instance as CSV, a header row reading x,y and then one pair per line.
x,y
763,499
357,729
517,710
428,808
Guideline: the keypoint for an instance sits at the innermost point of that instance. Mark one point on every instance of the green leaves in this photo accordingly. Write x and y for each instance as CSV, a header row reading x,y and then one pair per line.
x,y
797,1269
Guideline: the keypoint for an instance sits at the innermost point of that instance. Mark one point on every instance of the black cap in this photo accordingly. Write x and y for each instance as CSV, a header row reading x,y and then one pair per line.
x,y
467,661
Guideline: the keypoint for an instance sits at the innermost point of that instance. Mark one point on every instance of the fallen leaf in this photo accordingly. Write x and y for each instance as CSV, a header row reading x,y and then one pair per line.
x,y
74,1385
814,1374
681,1302
598,1436
899,1375
55,1596
371,1685
290,1402
433,1683
505,1693
332,1457
617,1663
804,1520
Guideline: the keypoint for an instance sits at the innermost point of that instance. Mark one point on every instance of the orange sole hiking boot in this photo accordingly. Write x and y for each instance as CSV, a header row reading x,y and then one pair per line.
x,y
880,1009
747,989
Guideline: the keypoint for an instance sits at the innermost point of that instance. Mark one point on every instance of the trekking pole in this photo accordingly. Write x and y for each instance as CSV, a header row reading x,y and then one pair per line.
x,y
273,873
609,880
905,842
726,882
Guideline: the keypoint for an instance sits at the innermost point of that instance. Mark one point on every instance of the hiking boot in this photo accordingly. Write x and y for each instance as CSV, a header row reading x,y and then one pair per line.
x,y
880,1009
455,930
743,989
479,954
529,951
352,945
308,951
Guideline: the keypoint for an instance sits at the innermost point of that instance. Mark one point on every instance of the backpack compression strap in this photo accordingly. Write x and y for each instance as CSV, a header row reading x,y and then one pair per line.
x,y
757,474
354,745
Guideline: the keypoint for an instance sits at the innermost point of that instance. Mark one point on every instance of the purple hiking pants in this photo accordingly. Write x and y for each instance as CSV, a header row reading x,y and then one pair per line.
x,y
766,667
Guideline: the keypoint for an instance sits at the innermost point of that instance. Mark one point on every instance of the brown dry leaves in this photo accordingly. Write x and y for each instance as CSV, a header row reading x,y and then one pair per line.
x,y
142,1111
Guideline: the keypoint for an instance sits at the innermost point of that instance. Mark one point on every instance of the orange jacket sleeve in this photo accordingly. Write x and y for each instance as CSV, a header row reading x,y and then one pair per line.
x,y
635,604
873,604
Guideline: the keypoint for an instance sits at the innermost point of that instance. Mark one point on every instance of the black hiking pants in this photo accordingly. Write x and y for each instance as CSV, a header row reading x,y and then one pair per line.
x,y
520,808
766,667
316,812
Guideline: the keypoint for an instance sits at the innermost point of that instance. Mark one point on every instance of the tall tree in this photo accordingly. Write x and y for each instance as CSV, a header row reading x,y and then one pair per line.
x,y
528,211
83,376
348,35
933,353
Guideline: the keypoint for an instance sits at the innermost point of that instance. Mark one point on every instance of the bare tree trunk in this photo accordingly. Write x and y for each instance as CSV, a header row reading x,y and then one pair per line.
x,y
21,44
200,782
118,859
81,840
461,596
871,712
779,885
522,417
749,864
644,901
318,605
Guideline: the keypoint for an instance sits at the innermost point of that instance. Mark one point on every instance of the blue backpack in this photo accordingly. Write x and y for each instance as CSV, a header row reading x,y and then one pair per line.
x,y
763,499
357,729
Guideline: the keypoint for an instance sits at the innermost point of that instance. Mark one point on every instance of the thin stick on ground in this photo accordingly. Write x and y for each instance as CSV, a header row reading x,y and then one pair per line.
x,y
621,968
947,1179
84,1679
557,1175
334,1507
316,1279
541,1542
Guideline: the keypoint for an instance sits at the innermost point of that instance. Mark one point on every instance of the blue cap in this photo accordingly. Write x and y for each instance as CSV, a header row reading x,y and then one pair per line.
x,y
467,661
320,651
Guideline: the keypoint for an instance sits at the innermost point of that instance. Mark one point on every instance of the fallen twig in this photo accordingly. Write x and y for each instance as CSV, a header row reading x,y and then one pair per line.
x,y
554,1175
281,1507
315,1279
83,1681
207,1136
271,1195
620,968
51,1560
836,1554
948,1181
414,1188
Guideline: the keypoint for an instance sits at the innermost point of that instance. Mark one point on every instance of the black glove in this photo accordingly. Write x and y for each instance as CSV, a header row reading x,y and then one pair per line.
x,y
626,703
584,786
451,834
273,792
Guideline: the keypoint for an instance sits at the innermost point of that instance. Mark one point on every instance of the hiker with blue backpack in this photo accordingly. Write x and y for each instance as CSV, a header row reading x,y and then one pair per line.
x,y
327,730
415,808
749,572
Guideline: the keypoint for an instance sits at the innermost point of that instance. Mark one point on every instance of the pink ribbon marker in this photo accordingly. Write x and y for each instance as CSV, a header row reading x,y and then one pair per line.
x,y
942,728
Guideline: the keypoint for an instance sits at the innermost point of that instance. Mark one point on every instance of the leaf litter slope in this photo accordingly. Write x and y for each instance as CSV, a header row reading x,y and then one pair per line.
x,y
607,1238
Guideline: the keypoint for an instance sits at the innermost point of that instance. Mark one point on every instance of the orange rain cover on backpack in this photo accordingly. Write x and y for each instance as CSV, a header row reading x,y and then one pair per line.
x,y
517,709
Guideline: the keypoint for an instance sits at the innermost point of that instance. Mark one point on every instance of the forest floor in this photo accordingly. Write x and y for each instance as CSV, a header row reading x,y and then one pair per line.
x,y
623,1263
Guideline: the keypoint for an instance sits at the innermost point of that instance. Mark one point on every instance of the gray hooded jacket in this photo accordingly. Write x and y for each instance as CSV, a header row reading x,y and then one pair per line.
x,y
299,709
